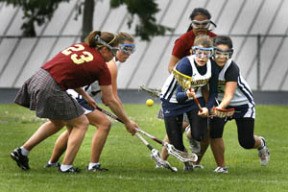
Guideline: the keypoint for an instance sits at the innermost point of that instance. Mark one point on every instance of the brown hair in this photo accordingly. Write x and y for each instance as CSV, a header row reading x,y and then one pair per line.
x,y
109,38
203,40
122,36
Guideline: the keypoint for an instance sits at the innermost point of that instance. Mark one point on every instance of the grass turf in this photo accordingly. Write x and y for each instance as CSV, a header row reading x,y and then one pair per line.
x,y
131,168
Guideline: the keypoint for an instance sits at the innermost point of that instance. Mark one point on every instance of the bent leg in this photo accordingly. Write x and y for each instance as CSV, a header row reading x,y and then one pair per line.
x,y
99,120
77,132
59,147
45,130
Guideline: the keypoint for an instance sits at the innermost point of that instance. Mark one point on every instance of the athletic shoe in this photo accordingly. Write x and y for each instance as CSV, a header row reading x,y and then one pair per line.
x,y
264,153
188,166
51,165
221,170
97,168
21,160
72,170
198,166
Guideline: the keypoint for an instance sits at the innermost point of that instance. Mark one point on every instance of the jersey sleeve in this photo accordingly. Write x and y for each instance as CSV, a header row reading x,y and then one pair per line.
x,y
184,66
232,73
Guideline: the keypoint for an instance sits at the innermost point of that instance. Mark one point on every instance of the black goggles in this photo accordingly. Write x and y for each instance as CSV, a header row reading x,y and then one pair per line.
x,y
223,53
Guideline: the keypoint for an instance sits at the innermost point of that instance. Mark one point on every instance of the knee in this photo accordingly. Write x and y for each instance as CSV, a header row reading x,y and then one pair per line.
x,y
247,144
104,124
82,123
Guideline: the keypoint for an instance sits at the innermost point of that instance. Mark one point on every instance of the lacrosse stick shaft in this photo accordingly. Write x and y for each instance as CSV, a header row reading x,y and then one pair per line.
x,y
150,136
144,141
109,114
197,102
139,130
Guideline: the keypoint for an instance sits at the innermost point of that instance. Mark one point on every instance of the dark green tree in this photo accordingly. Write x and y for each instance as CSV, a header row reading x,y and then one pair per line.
x,y
145,10
38,12
35,12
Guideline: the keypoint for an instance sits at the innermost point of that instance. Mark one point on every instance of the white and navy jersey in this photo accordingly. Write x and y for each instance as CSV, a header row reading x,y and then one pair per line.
x,y
243,94
174,98
188,67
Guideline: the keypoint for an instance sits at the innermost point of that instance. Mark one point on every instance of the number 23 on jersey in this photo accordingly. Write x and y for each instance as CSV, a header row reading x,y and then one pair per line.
x,y
77,55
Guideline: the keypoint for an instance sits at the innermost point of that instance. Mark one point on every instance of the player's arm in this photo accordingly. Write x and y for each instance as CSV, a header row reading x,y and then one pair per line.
x,y
86,96
231,77
230,88
172,63
114,74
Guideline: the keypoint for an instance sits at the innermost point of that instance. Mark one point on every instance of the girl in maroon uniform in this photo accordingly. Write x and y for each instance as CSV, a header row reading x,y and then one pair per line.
x,y
45,92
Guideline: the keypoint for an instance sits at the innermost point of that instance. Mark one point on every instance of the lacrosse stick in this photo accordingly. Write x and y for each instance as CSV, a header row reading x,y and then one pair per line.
x,y
154,152
222,113
185,82
156,155
152,92
182,156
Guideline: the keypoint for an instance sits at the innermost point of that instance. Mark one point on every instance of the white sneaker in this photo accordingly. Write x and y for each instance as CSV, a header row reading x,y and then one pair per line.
x,y
263,153
221,170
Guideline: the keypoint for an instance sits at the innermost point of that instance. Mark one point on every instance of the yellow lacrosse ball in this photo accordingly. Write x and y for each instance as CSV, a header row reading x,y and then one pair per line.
x,y
149,102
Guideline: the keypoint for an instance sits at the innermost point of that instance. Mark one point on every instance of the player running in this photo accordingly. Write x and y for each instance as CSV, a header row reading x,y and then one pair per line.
x,y
233,92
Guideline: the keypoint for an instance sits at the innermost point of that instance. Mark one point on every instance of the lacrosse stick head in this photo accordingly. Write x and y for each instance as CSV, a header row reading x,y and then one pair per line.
x,y
181,155
223,113
183,80
150,91
160,162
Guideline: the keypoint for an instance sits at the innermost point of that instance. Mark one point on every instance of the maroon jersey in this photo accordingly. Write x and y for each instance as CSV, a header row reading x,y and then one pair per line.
x,y
184,44
77,66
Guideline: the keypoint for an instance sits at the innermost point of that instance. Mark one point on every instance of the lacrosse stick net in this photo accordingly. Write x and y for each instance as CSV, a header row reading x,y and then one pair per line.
x,y
150,91
155,155
185,82
223,113
180,155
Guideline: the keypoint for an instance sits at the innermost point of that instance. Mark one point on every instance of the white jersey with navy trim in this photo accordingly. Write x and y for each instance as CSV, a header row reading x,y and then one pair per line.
x,y
168,91
243,94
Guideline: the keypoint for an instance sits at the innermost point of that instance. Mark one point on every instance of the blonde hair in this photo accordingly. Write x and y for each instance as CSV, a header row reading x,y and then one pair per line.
x,y
203,40
122,36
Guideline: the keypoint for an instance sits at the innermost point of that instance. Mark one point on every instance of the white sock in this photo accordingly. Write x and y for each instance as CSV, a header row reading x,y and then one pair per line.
x,y
262,143
24,151
65,167
50,163
91,165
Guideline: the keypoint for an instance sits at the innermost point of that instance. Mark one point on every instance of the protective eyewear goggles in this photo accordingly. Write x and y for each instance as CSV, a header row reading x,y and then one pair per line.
x,y
202,52
223,53
112,49
127,48
201,24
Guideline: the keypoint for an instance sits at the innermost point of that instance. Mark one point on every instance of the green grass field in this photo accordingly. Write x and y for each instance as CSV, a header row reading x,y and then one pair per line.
x,y
129,163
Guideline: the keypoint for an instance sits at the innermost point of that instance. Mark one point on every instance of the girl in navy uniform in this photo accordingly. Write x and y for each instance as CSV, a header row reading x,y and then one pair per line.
x,y
233,92
176,101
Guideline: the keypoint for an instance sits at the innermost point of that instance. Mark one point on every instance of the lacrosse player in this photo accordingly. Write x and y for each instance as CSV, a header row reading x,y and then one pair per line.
x,y
200,24
76,66
177,101
96,117
233,92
